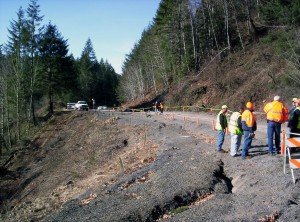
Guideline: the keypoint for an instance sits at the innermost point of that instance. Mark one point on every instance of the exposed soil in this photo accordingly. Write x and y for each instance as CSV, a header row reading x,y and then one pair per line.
x,y
70,155
107,166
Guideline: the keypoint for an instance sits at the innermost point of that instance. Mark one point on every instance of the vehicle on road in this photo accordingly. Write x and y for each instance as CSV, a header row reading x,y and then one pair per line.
x,y
71,105
81,105
101,107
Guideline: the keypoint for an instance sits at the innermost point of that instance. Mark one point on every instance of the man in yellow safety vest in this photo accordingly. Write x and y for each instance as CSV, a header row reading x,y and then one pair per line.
x,y
221,125
277,113
235,129
248,126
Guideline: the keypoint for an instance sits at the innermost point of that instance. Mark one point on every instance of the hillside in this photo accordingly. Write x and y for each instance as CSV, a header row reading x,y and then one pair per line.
x,y
207,53
238,78
73,152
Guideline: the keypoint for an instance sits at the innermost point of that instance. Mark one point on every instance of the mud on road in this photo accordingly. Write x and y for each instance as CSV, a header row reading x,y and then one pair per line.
x,y
177,175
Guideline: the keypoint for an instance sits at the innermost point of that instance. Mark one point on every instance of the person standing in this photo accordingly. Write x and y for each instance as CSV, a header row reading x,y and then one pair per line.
x,y
236,131
249,127
291,113
295,122
161,108
277,113
155,107
221,125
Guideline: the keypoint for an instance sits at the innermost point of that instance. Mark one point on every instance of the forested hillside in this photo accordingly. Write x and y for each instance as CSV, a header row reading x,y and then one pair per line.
x,y
208,52
38,74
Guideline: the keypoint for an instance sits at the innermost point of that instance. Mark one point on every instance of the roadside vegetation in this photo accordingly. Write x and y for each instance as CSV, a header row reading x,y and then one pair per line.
x,y
203,52
39,75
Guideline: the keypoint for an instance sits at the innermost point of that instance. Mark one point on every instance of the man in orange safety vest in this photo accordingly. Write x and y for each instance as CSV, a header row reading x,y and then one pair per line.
x,y
277,113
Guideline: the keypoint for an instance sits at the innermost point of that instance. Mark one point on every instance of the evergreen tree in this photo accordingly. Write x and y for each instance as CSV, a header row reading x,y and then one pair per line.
x,y
34,29
87,70
16,50
58,75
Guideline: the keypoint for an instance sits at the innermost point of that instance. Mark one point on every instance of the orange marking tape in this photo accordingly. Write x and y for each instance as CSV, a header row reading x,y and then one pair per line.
x,y
294,163
294,141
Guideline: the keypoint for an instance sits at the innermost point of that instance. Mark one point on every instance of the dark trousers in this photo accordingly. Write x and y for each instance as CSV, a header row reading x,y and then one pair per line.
x,y
274,131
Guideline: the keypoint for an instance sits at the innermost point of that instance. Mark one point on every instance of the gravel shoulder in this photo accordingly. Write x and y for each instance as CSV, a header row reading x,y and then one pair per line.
x,y
189,181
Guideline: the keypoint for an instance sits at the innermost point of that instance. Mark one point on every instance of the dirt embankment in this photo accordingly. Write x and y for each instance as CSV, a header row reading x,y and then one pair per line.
x,y
72,153
139,167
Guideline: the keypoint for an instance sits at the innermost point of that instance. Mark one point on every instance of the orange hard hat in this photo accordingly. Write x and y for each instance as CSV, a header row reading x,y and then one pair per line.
x,y
249,105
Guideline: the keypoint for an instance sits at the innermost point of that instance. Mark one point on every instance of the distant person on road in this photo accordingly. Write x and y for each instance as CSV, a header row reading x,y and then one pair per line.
x,y
295,122
291,114
221,125
236,131
155,106
277,113
161,108
249,127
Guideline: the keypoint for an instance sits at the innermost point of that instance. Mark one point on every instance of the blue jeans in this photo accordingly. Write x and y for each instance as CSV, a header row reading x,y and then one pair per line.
x,y
247,143
235,144
274,129
221,137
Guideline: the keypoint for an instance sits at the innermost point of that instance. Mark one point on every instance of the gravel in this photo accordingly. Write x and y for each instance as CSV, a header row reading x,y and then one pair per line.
x,y
190,181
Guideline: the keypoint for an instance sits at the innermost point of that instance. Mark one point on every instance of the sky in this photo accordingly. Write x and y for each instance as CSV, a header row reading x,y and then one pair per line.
x,y
113,26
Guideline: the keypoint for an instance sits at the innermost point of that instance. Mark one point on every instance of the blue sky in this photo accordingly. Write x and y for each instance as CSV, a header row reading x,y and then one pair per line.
x,y
114,26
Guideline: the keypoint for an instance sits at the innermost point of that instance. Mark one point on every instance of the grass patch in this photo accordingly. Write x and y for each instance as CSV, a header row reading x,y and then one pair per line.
x,y
92,159
179,210
76,175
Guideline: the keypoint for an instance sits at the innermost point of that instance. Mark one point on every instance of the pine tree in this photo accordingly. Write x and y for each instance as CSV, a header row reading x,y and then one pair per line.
x,y
34,29
57,68
87,69
16,50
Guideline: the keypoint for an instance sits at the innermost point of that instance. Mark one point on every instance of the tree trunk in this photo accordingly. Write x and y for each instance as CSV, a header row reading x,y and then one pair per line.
x,y
210,10
193,37
237,26
226,16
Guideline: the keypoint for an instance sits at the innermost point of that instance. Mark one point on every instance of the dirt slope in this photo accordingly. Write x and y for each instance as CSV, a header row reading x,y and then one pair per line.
x,y
257,74
74,152
168,171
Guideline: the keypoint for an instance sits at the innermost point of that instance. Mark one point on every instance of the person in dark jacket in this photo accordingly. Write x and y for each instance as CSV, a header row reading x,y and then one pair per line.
x,y
291,114
295,122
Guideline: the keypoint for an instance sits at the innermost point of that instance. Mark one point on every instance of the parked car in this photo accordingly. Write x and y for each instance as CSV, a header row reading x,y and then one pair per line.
x,y
81,105
71,105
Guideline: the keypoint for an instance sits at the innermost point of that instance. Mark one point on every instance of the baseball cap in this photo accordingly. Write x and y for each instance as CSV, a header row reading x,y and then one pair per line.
x,y
224,107
295,100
